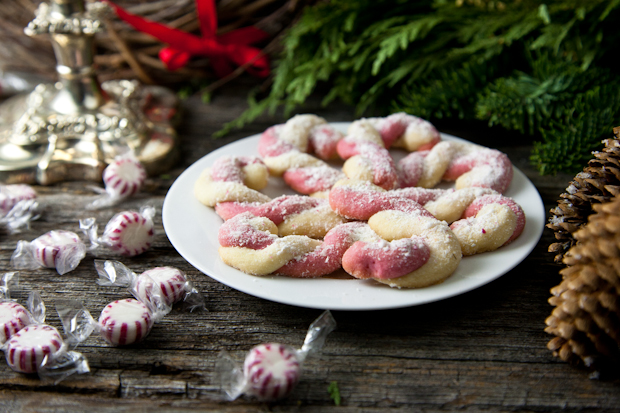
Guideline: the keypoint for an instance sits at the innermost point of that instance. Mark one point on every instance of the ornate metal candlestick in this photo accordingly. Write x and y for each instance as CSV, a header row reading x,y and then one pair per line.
x,y
72,129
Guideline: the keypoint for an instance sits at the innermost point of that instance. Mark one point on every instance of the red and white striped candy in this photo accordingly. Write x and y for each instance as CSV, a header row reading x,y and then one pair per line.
x,y
13,317
12,194
28,347
123,177
271,370
129,233
171,281
124,322
49,245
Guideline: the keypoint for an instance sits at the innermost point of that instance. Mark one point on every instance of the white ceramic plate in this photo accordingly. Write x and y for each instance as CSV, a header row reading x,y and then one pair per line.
x,y
192,229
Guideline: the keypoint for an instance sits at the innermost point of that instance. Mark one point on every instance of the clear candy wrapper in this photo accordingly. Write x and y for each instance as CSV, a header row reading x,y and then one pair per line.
x,y
14,316
59,249
122,322
171,283
128,233
122,178
40,348
18,207
271,370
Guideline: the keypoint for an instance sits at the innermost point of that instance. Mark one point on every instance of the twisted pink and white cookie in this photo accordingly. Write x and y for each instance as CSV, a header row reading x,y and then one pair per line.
x,y
468,164
488,223
10,195
293,214
124,322
271,371
124,176
481,218
401,130
129,233
251,244
360,199
367,156
285,149
13,317
170,280
232,179
367,142
26,350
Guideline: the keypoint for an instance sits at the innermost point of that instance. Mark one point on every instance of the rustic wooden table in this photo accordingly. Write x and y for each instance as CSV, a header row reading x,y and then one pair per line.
x,y
482,350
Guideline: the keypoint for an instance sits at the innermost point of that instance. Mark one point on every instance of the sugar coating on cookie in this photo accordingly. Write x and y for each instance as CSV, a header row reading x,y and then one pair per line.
x,y
251,244
407,241
232,179
129,233
488,230
125,322
26,349
170,280
445,250
271,371
13,317
385,260
293,214
49,247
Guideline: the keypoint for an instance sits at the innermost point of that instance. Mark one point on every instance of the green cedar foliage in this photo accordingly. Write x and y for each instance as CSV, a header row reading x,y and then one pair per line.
x,y
542,68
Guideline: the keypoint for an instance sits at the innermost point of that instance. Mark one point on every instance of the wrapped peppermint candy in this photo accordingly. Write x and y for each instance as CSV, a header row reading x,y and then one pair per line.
x,y
40,348
128,233
18,206
59,249
122,178
125,321
14,316
122,322
271,370
170,282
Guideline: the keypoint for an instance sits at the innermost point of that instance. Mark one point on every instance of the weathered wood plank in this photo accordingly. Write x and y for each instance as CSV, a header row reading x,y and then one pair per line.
x,y
481,351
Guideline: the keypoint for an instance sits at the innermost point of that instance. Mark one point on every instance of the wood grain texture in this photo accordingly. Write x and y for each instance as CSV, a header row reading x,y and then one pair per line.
x,y
481,351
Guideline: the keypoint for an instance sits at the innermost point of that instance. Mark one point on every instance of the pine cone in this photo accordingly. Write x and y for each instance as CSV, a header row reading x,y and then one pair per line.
x,y
586,317
599,182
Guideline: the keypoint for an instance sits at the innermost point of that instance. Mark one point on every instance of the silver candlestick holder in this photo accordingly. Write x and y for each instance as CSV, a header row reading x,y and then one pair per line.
x,y
73,129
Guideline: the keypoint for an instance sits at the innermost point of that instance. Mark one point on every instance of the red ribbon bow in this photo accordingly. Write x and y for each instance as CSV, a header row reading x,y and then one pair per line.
x,y
230,47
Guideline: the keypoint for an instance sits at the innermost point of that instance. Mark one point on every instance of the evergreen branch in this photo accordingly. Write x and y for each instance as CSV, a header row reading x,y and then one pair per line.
x,y
521,65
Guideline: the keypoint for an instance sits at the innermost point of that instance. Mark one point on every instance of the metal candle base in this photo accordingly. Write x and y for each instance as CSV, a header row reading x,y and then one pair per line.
x,y
72,129
39,145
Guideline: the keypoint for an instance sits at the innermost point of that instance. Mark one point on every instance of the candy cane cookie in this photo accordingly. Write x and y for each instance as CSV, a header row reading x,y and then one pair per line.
x,y
469,165
478,226
27,349
293,214
124,322
401,130
286,150
360,199
444,253
366,145
13,317
251,244
231,179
